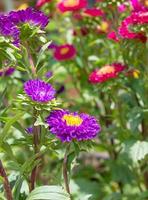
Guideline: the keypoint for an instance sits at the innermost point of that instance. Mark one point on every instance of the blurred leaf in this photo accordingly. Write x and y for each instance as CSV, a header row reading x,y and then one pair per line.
x,y
48,193
138,150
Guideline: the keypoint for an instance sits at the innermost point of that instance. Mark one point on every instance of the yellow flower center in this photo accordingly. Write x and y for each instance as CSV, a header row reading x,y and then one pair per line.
x,y
64,50
136,74
106,70
71,3
72,120
104,26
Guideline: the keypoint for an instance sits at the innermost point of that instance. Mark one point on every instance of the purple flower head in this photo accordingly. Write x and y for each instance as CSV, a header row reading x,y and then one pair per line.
x,y
52,46
29,130
49,74
69,126
7,71
39,91
31,16
9,29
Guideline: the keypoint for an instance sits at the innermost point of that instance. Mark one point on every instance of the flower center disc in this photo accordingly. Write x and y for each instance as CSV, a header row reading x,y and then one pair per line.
x,y
106,70
71,3
64,51
72,120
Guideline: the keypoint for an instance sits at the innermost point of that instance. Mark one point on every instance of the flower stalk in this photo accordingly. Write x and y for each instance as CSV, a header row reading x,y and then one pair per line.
x,y
65,170
6,183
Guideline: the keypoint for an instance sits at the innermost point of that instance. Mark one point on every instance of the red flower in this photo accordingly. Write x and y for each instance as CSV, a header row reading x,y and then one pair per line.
x,y
94,12
40,3
64,52
113,36
106,72
122,8
71,5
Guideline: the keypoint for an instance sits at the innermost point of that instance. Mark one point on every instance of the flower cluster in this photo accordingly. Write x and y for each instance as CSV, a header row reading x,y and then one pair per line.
x,y
39,91
106,72
138,17
10,23
69,126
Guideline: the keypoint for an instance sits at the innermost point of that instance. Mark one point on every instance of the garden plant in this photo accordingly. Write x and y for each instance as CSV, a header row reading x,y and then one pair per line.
x,y
74,100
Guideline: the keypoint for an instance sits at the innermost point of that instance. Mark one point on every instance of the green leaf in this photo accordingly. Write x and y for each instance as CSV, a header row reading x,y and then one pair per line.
x,y
43,49
8,125
48,193
138,150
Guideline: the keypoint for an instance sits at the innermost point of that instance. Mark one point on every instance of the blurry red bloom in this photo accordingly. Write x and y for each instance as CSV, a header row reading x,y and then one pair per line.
x,y
64,52
83,31
106,72
122,8
93,12
71,5
113,36
137,6
40,3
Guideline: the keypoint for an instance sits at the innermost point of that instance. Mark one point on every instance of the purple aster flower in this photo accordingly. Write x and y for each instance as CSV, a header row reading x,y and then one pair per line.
x,y
49,74
29,130
69,126
9,29
7,71
39,91
31,16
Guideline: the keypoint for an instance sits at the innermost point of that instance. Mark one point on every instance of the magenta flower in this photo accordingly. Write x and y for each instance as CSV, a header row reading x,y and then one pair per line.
x,y
7,71
122,8
69,126
71,5
137,6
136,18
106,72
94,12
39,91
113,36
64,52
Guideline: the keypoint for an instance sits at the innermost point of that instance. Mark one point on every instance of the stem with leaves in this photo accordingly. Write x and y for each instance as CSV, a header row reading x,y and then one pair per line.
x,y
6,183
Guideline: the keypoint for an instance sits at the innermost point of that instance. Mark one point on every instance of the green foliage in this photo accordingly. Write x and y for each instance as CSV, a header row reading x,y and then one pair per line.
x,y
48,193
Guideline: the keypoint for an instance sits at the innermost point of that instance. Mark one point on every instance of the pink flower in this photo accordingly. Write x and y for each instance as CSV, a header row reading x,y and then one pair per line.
x,y
113,36
64,52
137,6
136,18
40,3
122,8
71,5
94,12
106,72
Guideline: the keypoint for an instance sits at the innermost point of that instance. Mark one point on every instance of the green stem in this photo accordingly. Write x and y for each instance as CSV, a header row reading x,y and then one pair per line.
x,y
65,174
36,132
